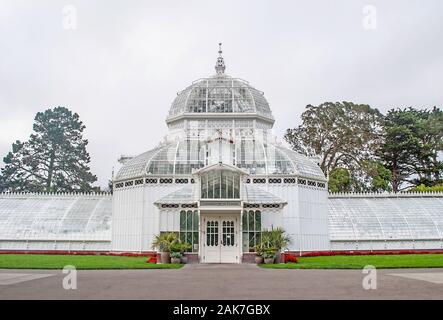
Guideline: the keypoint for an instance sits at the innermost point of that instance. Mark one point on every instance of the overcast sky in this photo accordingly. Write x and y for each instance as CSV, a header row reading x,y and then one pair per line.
x,y
122,65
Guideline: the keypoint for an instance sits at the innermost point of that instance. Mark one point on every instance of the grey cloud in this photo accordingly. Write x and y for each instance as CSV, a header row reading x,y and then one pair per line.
x,y
122,67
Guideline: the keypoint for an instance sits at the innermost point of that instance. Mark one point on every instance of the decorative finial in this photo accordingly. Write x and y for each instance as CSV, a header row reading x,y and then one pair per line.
x,y
220,64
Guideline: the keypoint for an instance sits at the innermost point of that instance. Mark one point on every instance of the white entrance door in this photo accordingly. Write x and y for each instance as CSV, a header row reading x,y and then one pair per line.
x,y
221,243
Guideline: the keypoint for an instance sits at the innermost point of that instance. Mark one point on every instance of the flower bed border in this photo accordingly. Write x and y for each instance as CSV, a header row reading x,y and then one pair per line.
x,y
83,253
286,256
363,252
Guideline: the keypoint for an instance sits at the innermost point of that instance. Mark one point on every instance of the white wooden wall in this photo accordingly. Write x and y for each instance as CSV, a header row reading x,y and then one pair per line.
x,y
135,218
305,217
314,222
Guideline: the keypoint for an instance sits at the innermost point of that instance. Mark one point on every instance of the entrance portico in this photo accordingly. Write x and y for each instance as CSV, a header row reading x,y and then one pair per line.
x,y
220,237
220,214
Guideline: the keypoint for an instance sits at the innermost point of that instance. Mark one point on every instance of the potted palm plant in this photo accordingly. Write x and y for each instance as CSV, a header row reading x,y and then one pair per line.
x,y
275,239
184,247
280,242
176,257
163,242
181,247
269,255
259,253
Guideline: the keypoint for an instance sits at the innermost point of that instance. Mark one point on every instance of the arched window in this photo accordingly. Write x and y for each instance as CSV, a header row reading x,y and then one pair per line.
x,y
220,184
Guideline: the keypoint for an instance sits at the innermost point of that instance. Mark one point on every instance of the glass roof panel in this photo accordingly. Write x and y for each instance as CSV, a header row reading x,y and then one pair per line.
x,y
253,156
385,218
253,194
304,166
64,217
163,161
184,195
135,167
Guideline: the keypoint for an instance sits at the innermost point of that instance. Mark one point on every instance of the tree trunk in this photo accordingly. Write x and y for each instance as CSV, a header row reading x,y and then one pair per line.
x,y
50,171
435,164
394,177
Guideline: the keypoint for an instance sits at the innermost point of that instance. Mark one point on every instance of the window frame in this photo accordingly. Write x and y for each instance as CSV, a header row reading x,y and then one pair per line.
x,y
247,233
193,232
220,185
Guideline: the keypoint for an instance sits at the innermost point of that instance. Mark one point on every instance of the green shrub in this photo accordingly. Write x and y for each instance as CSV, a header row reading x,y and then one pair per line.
x,y
269,253
423,188
181,247
176,255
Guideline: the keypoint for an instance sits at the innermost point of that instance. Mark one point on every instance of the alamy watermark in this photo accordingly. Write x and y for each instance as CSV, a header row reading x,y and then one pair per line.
x,y
370,280
70,280
369,21
69,17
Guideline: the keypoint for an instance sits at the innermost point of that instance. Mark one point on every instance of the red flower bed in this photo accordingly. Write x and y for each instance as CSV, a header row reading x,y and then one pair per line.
x,y
152,259
367,252
289,257
81,253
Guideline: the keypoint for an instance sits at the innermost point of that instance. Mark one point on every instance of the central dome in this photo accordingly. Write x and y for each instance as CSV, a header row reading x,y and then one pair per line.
x,y
220,95
219,120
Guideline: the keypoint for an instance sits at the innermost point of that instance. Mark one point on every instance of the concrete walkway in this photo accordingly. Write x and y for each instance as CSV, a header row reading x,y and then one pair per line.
x,y
214,281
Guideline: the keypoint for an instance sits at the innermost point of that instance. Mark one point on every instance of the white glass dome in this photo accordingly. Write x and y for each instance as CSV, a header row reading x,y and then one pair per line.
x,y
220,94
220,120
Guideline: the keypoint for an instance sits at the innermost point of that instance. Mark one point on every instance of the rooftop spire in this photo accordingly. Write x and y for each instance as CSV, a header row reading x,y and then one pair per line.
x,y
220,64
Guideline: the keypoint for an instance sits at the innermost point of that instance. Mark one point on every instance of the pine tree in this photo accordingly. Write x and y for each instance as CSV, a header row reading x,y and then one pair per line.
x,y
54,159
412,143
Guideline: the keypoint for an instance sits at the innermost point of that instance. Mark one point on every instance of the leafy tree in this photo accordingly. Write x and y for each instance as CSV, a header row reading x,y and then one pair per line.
x,y
340,133
400,143
372,176
413,140
54,159
377,177
110,187
423,188
430,134
346,136
339,180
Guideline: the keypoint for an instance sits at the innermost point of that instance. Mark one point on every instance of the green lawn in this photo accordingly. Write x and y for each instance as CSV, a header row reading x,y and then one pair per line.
x,y
358,262
40,261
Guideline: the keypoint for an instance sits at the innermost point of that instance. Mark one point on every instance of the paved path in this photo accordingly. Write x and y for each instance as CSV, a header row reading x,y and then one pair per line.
x,y
222,282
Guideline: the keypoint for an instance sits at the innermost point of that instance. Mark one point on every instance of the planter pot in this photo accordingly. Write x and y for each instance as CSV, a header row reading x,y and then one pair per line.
x,y
258,259
184,259
269,260
278,257
165,257
176,260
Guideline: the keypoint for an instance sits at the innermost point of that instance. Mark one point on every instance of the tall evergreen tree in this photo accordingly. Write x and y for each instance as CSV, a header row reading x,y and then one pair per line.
x,y
413,141
54,159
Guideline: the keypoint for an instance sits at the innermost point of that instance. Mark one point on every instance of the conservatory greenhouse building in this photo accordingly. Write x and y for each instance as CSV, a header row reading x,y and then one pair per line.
x,y
218,179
